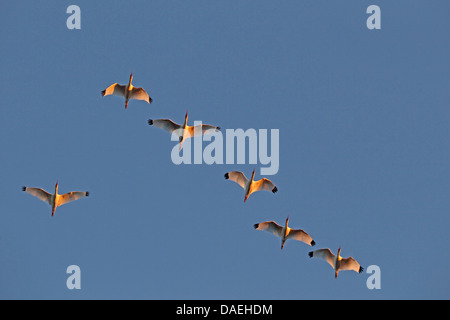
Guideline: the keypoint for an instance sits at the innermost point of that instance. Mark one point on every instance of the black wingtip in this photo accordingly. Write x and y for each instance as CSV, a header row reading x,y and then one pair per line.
x,y
24,188
87,193
274,190
218,128
150,122
227,176
361,269
103,93
150,100
310,254
256,225
313,243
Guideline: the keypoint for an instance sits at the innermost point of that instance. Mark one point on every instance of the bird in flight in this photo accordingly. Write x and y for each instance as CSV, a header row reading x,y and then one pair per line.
x,y
337,262
127,91
182,131
285,232
250,185
55,200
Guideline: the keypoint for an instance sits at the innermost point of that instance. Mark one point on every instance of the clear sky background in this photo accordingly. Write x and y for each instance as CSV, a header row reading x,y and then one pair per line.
x,y
364,148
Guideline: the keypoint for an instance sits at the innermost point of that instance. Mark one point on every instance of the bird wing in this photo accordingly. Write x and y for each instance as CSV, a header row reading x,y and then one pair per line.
x,y
300,235
263,184
269,226
237,177
165,124
324,254
114,89
201,130
71,196
38,193
351,264
140,94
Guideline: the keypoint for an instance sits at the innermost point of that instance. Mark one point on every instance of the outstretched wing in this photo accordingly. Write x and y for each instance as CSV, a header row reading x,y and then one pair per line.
x,y
201,130
263,184
71,196
237,177
351,264
300,235
269,226
324,254
38,193
114,89
165,124
140,94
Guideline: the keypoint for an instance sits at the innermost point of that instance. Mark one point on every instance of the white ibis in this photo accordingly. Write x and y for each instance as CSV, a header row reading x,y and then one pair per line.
x,y
337,262
250,185
55,200
128,92
182,131
285,232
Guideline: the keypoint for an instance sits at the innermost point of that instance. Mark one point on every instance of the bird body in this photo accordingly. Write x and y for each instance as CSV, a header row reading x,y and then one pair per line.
x,y
128,92
336,261
284,232
55,200
182,131
250,186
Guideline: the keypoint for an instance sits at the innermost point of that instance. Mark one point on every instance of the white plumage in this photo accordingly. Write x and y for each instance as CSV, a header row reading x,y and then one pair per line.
x,y
250,185
55,200
337,262
285,232
182,131
127,91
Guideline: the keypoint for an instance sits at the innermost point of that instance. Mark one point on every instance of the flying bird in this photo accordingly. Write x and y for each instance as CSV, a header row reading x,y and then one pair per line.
x,y
337,262
128,92
285,232
250,186
182,131
55,200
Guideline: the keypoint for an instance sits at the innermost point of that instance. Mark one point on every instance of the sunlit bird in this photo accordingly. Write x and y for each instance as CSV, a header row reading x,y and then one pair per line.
x,y
250,185
285,232
55,200
337,262
182,131
128,92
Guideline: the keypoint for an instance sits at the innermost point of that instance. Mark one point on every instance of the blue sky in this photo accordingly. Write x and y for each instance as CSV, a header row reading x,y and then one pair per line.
x,y
364,148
